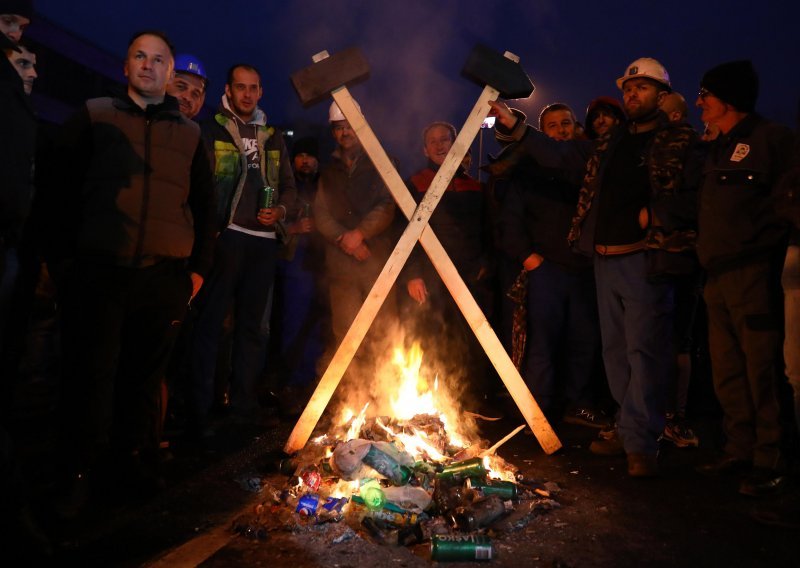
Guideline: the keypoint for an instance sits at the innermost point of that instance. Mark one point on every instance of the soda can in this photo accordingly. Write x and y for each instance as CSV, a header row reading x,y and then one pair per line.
x,y
312,479
461,470
468,547
265,196
504,489
307,506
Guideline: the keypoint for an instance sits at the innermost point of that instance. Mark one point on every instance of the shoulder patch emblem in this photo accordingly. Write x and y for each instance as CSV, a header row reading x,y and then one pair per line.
x,y
740,152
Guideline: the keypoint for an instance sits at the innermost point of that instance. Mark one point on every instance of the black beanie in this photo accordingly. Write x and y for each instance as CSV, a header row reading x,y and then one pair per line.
x,y
735,83
307,145
18,7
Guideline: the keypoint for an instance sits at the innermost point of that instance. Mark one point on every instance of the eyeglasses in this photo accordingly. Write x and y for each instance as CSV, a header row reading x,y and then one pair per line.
x,y
704,93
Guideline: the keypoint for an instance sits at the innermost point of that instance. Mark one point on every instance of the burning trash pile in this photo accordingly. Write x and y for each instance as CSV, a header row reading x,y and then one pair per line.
x,y
405,479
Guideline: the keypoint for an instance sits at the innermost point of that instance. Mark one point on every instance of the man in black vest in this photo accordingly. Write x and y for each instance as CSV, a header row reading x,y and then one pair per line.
x,y
132,221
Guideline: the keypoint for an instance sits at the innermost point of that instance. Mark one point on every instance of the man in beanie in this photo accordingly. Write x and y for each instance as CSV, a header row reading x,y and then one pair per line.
x,y
602,115
741,246
300,302
635,217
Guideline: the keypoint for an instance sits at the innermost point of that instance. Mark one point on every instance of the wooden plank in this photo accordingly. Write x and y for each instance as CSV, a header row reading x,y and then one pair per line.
x,y
418,229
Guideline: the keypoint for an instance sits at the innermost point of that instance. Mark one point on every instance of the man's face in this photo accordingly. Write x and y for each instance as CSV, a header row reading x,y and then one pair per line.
x,y
438,141
559,124
711,107
640,97
25,64
244,92
13,25
305,164
148,66
604,122
344,135
190,90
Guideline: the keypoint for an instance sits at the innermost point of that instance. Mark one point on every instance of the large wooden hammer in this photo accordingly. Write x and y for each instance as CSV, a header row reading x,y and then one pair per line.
x,y
332,74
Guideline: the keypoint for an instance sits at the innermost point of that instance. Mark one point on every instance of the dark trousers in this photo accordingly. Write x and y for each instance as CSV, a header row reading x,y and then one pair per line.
x,y
243,276
118,328
744,331
562,327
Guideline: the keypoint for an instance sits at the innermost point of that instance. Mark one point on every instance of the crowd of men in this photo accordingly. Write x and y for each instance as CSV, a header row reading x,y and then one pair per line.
x,y
607,234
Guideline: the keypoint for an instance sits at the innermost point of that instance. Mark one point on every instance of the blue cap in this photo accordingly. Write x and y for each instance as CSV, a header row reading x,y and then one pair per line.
x,y
185,63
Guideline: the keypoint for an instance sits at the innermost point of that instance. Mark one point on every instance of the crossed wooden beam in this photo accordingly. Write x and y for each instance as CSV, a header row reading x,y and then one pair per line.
x,y
330,76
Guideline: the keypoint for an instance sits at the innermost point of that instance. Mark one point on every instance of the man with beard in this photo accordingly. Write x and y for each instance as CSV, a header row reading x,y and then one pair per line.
x,y
353,211
636,215
189,84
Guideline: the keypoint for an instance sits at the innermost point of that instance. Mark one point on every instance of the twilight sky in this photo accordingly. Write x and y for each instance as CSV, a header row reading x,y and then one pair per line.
x,y
573,50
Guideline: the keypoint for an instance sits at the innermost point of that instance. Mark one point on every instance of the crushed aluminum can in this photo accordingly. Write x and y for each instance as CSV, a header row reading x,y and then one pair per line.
x,y
335,504
307,506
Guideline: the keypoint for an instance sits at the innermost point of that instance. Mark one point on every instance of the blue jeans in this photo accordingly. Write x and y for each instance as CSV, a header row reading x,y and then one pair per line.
x,y
562,318
243,275
636,331
791,345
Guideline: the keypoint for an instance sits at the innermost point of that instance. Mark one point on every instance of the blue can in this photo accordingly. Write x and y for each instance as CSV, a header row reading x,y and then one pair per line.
x,y
307,506
334,504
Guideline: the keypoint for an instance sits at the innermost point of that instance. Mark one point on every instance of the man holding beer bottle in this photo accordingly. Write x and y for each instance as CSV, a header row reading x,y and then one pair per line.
x,y
255,189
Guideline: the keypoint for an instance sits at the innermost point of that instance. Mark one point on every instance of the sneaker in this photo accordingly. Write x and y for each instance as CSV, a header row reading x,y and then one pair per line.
x,y
677,432
607,447
642,465
587,417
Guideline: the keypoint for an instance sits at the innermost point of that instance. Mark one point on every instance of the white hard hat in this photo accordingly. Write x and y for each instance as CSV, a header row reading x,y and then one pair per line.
x,y
335,113
645,67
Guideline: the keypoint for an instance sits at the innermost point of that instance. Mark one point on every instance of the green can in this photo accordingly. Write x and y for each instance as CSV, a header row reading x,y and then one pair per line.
x,y
504,489
461,470
446,548
265,196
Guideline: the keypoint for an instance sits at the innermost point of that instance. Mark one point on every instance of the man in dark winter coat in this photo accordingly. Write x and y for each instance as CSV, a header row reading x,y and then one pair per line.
x,y
561,298
741,244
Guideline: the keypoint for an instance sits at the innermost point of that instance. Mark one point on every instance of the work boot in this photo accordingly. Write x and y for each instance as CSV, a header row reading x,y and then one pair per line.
x,y
642,465
763,482
726,465
611,446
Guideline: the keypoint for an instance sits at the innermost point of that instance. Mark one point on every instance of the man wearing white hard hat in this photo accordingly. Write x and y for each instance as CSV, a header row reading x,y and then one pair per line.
x,y
354,212
636,216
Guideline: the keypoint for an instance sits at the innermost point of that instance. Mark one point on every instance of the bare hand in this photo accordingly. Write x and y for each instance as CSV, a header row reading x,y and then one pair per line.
x,y
268,216
351,241
197,283
644,218
417,290
503,114
362,252
533,262
302,226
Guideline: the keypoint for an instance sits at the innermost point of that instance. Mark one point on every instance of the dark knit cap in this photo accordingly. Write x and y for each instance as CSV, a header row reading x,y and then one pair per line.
x,y
19,7
735,83
307,145
608,104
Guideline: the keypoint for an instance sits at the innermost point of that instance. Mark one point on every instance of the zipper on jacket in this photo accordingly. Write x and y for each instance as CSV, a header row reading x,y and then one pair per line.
x,y
137,255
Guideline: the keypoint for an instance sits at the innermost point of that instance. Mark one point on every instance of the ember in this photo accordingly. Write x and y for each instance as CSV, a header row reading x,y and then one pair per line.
x,y
416,470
